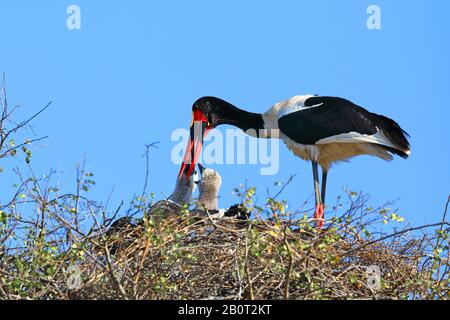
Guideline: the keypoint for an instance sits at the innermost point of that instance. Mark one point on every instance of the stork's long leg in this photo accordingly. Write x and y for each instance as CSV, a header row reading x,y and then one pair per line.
x,y
316,183
318,213
324,185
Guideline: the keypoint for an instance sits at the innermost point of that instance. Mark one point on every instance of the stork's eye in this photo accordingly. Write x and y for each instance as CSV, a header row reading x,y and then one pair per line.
x,y
209,121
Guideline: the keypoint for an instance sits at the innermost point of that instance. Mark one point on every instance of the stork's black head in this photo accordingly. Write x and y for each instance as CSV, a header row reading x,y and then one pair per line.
x,y
208,113
215,110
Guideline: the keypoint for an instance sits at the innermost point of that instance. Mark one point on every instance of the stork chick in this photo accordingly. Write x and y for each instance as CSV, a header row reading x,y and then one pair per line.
x,y
180,197
182,194
208,200
128,228
208,187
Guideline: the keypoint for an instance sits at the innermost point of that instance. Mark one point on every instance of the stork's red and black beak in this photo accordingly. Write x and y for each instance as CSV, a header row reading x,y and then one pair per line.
x,y
199,129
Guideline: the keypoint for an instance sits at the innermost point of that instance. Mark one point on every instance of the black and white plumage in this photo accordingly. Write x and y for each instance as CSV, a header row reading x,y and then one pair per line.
x,y
323,130
331,129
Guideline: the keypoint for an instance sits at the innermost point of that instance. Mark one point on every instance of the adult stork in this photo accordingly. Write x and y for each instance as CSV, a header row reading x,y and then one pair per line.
x,y
323,130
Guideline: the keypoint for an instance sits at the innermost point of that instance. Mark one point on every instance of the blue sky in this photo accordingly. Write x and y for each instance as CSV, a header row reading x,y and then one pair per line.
x,y
131,74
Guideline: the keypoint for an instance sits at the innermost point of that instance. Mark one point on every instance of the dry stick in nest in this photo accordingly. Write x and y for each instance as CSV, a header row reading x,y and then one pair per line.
x,y
290,265
238,271
247,271
113,275
438,243
141,266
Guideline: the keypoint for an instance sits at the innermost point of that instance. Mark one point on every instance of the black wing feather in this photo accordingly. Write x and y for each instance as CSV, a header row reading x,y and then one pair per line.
x,y
336,116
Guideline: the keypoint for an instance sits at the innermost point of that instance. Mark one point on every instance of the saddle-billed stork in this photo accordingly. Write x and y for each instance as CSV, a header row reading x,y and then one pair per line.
x,y
321,129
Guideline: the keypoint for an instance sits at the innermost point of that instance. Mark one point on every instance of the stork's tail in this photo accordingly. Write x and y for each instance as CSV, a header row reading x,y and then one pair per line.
x,y
401,153
397,136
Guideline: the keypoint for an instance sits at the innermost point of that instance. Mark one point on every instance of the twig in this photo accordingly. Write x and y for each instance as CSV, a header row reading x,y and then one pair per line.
x,y
113,275
147,164
288,272
246,266
397,234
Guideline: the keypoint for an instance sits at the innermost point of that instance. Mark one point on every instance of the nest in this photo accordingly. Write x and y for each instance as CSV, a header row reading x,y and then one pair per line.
x,y
195,257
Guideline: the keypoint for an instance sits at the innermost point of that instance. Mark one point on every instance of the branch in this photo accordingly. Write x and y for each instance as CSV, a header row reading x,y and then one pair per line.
x,y
147,163
397,234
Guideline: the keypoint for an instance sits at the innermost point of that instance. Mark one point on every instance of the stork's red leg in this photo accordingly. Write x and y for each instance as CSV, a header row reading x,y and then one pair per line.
x,y
319,216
